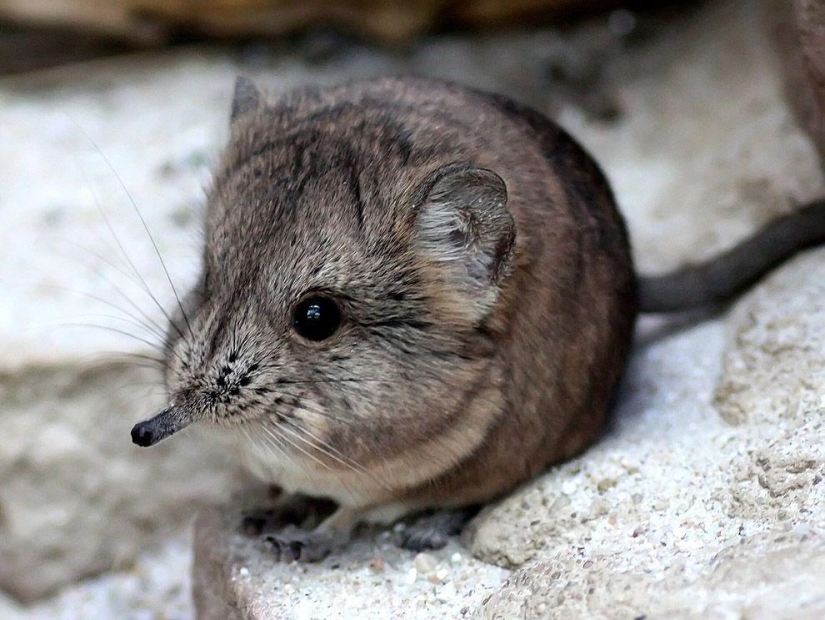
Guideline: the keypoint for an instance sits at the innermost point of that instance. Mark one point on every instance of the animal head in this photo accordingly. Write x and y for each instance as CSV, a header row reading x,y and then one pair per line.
x,y
346,286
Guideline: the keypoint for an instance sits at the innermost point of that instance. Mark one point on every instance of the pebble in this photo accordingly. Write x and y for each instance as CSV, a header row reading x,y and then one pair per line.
x,y
446,593
425,563
377,565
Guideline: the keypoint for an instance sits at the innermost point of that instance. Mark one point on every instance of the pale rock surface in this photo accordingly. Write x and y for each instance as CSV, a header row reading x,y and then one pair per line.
x,y
155,586
681,512
761,577
236,577
705,150
76,497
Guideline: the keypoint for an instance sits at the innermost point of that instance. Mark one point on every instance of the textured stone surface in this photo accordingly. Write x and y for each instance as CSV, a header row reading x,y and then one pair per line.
x,y
766,576
154,585
703,150
237,577
800,26
707,149
75,496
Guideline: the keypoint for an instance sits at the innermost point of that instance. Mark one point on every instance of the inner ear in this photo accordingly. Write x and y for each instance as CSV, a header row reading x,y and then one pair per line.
x,y
247,98
466,229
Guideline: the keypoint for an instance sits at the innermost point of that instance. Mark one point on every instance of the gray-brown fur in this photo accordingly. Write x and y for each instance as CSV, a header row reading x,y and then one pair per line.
x,y
454,378
483,273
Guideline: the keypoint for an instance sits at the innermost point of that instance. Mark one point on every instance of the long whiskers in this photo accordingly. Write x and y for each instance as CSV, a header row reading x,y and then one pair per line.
x,y
103,259
273,439
145,228
129,320
118,289
115,330
127,257
129,317
324,447
312,445
270,442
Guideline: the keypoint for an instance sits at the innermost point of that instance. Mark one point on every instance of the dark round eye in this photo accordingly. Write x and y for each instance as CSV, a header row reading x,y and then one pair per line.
x,y
316,318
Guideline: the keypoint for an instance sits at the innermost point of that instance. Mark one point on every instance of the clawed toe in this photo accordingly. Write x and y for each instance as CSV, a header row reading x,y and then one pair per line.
x,y
433,531
422,541
257,522
300,546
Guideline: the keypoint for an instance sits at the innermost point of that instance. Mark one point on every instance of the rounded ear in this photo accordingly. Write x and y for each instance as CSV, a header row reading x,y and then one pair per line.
x,y
465,228
246,98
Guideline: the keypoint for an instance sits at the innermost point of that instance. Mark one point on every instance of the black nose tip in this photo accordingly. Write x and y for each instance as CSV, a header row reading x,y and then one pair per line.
x,y
142,434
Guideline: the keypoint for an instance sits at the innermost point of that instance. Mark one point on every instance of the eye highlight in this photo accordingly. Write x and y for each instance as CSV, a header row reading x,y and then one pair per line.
x,y
316,318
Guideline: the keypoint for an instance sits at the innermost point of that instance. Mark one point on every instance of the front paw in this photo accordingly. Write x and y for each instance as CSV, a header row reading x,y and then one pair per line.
x,y
259,521
288,510
292,544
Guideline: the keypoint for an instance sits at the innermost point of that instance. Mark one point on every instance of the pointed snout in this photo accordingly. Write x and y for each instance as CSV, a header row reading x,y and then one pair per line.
x,y
163,425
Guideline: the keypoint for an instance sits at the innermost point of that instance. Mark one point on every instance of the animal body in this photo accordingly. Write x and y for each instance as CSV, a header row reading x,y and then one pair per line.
x,y
414,296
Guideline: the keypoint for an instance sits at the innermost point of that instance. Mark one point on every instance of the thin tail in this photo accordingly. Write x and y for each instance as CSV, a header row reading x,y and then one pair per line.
x,y
723,277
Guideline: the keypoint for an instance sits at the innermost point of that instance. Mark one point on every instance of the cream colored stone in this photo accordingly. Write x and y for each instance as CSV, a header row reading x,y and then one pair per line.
x,y
705,151
76,497
238,577
766,576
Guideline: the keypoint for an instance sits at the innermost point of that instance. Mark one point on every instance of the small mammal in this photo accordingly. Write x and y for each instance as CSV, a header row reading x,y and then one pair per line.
x,y
414,296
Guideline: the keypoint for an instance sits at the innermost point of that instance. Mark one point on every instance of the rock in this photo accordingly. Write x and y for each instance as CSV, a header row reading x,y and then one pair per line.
x,y
155,585
800,29
758,577
773,385
155,22
666,421
76,497
236,577
774,371
703,150
706,149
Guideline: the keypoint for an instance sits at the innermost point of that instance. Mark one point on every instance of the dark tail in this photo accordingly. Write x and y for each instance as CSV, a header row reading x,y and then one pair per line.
x,y
721,278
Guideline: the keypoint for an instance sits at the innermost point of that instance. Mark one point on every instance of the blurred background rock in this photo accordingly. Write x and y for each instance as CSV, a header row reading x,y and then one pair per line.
x,y
58,30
